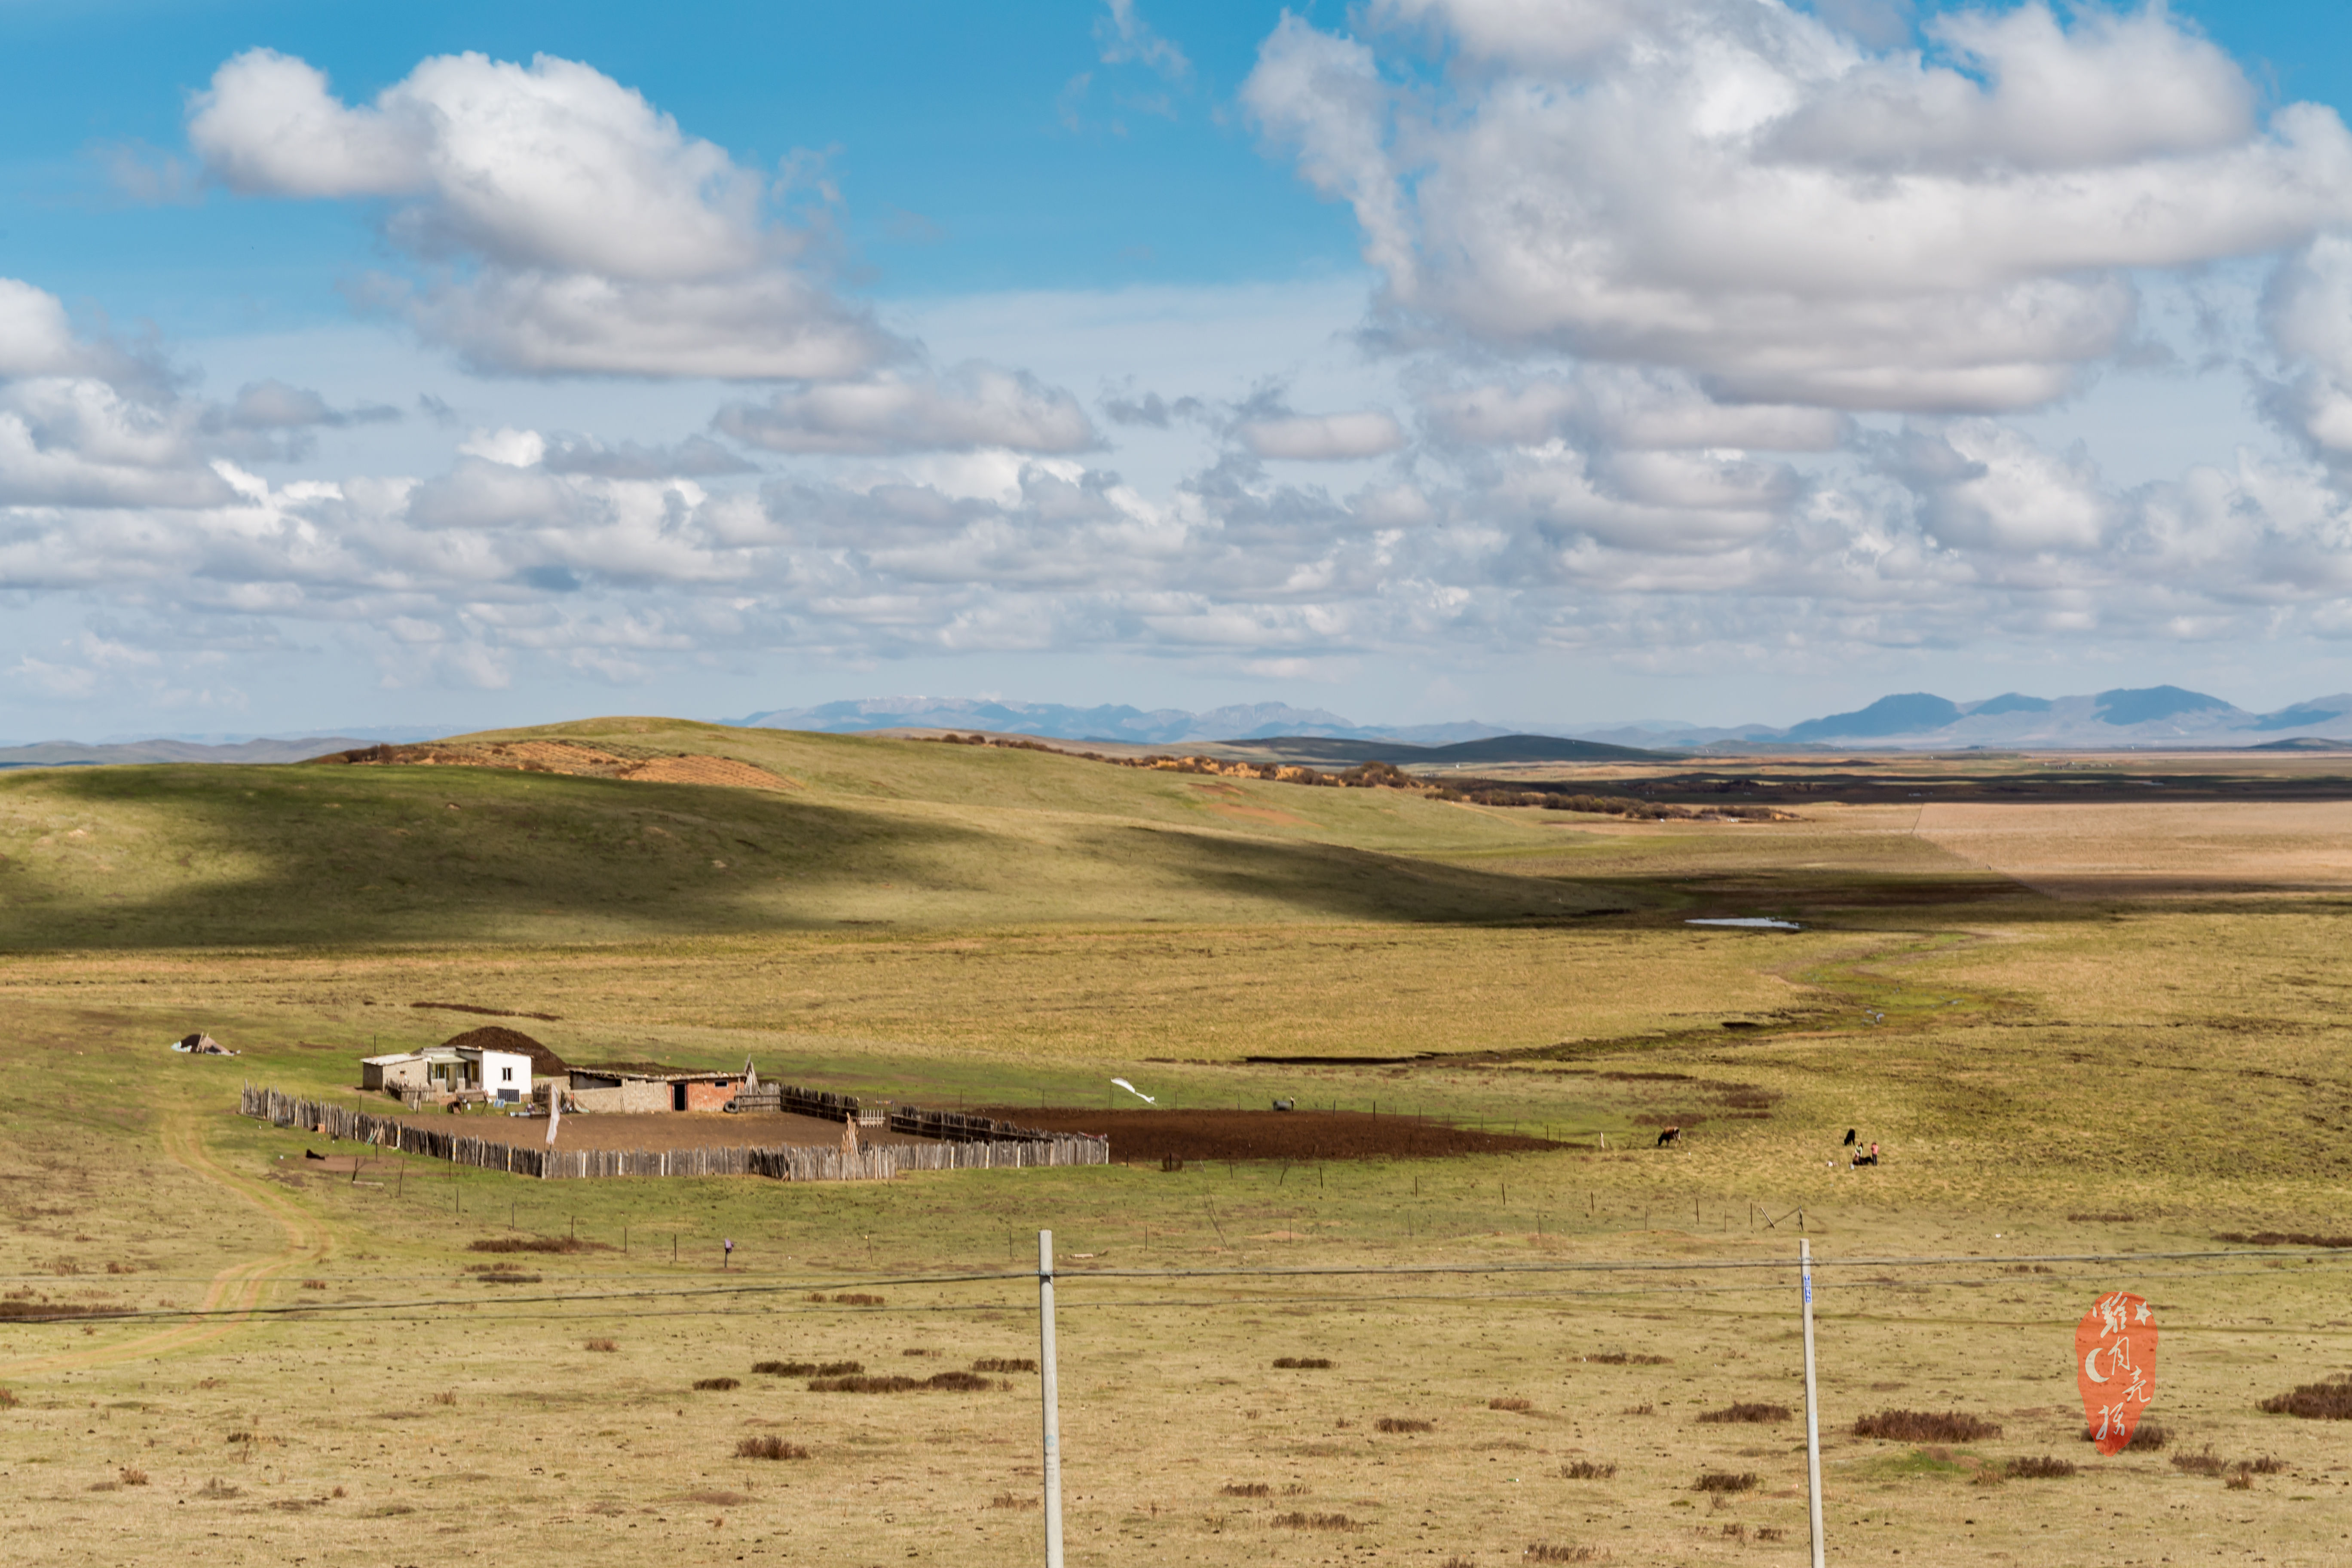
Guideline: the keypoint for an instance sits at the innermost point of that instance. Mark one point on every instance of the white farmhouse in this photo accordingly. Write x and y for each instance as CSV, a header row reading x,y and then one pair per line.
x,y
503,1075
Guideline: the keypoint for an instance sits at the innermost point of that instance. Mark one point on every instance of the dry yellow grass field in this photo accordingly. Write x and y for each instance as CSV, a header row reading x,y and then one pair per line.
x,y
2138,1066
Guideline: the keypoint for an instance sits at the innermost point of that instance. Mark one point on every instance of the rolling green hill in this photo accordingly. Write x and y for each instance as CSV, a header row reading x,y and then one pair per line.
x,y
905,834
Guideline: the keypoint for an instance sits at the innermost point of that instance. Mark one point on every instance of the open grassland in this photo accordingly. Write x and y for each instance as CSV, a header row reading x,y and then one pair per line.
x,y
2104,1072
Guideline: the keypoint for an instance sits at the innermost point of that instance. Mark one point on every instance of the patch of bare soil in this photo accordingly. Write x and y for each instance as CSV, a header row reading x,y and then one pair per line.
x,y
1141,1135
575,758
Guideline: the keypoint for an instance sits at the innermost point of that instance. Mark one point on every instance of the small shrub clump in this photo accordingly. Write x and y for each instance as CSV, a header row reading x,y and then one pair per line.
x,y
808,1368
2326,1401
715,1384
1755,1414
1404,1424
768,1448
1314,1522
1303,1364
846,1299
1245,1488
1925,1426
535,1243
1725,1481
2206,1462
2282,1238
2045,1469
131,1478
601,1346
898,1383
1005,1364
1542,1551
1503,1404
2145,1438
1586,1470
1012,1499
1620,1358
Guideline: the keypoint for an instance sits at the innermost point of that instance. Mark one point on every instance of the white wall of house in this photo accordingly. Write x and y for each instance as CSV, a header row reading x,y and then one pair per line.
x,y
506,1075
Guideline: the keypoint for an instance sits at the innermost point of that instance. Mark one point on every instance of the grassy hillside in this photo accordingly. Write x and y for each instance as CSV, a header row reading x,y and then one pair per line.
x,y
874,833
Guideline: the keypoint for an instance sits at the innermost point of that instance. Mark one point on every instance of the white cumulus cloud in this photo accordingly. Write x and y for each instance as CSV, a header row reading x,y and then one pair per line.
x,y
972,407
1739,191
561,224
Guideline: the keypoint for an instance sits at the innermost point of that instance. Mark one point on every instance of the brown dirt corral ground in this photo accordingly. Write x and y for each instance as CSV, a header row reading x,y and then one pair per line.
x,y
671,1130
1141,1135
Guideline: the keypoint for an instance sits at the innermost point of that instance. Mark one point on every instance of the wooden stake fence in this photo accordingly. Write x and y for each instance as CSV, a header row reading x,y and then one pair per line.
x,y
788,1163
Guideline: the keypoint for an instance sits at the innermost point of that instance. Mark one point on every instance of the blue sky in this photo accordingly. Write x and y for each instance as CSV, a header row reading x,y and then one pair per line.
x,y
1694,358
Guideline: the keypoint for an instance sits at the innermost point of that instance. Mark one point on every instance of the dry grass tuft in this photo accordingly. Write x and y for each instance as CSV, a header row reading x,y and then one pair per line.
x,y
1725,1481
1012,1501
1925,1426
1005,1364
2145,1438
1303,1364
2048,1467
1505,1404
768,1448
846,1299
1542,1551
314,1284
1622,1358
134,1477
715,1384
2326,1401
219,1489
898,1383
8,1399
2100,1218
601,1346
1315,1522
2240,1482
1586,1470
1404,1424
717,1496
808,1368
1244,1488
447,1396
2282,1238
1755,1414
535,1243
1643,1409
1772,1533
2206,1462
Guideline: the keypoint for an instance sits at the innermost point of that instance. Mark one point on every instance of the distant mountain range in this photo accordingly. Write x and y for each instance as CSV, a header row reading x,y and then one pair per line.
x,y
2150,716
2137,716
1134,726
75,753
2126,716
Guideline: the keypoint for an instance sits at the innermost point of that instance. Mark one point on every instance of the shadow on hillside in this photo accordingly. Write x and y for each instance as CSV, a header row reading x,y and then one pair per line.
x,y
1342,883
220,857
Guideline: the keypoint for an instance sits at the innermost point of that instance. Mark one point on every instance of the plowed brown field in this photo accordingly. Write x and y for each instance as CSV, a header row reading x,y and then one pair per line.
x,y
1139,1135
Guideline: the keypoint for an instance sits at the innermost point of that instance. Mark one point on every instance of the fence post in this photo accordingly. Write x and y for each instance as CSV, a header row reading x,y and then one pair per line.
x,y
1812,1407
1049,1380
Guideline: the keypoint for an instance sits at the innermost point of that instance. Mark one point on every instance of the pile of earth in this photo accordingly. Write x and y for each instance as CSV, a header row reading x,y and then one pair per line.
x,y
1145,1135
544,1063
575,758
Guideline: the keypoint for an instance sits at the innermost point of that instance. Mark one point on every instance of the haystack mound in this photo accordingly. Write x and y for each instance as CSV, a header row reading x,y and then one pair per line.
x,y
544,1063
578,759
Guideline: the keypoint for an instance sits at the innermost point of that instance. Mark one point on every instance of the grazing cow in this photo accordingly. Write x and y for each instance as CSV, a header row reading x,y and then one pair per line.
x,y
1285,1105
1849,1139
1671,1135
